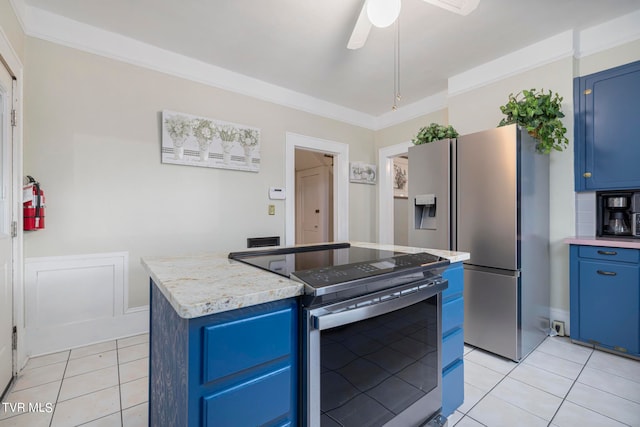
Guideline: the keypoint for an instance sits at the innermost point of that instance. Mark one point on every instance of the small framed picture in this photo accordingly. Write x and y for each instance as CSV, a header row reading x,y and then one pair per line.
x,y
400,177
362,173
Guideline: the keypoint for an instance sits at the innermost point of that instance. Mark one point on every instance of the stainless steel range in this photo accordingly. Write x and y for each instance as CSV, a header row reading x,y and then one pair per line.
x,y
371,333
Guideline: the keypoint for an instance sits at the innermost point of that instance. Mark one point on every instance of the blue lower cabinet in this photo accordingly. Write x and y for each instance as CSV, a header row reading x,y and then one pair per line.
x,y
605,298
452,387
229,369
228,407
453,340
451,345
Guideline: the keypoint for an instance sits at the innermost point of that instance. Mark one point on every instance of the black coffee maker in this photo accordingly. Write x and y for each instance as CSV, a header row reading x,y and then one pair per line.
x,y
614,213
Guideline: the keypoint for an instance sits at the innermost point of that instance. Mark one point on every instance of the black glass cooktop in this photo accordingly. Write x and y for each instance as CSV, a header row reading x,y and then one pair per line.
x,y
326,265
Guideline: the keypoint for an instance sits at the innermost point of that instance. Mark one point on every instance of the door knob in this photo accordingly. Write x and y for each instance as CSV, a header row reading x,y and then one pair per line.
x,y
587,174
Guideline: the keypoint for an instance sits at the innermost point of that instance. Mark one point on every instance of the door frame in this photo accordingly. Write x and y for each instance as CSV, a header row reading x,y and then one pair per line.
x,y
340,152
13,63
385,189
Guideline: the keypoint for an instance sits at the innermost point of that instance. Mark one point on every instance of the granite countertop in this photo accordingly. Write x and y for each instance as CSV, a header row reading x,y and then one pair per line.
x,y
199,285
603,241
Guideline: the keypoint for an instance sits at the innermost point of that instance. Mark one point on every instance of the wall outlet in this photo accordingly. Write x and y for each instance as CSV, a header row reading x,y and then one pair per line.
x,y
558,326
272,209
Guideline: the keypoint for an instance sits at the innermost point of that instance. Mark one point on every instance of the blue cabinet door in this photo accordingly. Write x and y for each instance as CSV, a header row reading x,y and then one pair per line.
x,y
609,305
607,151
605,298
453,340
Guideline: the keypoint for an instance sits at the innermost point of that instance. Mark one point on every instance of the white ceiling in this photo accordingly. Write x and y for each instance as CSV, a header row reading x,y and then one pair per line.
x,y
301,44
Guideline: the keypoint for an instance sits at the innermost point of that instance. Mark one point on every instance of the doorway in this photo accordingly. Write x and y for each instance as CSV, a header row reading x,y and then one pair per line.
x,y
7,122
340,185
314,197
386,200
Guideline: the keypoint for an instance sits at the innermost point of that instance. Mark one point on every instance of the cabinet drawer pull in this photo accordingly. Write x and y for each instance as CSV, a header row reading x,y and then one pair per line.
x,y
607,273
608,252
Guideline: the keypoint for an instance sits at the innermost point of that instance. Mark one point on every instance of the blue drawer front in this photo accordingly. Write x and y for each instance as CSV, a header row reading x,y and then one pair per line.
x,y
455,275
256,402
452,347
452,315
452,388
235,346
609,254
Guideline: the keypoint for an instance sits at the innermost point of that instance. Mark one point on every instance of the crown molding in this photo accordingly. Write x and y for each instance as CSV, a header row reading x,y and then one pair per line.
x,y
567,44
541,53
411,111
608,35
64,31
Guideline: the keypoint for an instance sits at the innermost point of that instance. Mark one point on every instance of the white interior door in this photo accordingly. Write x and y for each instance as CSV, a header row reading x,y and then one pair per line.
x,y
312,195
6,188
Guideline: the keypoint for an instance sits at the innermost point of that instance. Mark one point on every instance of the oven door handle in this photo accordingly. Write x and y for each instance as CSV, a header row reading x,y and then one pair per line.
x,y
330,319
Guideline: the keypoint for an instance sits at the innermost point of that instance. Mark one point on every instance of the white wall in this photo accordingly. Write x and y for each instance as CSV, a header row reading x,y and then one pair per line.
x,y
10,26
93,141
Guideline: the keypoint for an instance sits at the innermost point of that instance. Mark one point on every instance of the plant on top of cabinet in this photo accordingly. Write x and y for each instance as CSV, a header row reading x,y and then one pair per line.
x,y
434,132
540,114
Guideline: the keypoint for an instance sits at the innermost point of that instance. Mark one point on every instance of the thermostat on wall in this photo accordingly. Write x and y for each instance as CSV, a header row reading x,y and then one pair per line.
x,y
276,193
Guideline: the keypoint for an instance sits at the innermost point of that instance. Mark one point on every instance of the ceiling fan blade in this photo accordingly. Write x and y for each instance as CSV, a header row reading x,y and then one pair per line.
x,y
361,30
461,7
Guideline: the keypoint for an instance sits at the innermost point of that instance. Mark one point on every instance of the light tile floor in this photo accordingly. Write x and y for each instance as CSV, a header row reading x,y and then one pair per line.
x,y
101,385
560,384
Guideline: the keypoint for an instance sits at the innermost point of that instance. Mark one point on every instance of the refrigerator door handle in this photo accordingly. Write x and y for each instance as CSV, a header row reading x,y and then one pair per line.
x,y
511,273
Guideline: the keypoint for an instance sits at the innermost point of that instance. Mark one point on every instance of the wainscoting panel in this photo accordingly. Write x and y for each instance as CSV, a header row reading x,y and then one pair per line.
x,y
72,301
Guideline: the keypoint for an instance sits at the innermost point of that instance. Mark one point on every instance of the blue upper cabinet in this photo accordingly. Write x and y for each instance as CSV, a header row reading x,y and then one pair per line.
x,y
607,140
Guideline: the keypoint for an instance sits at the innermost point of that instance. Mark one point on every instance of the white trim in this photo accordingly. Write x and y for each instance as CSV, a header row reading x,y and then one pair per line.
x,y
541,53
411,111
609,34
94,288
340,151
12,60
385,189
58,29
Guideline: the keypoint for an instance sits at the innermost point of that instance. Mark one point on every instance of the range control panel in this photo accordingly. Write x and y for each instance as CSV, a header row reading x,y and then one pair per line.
x,y
325,276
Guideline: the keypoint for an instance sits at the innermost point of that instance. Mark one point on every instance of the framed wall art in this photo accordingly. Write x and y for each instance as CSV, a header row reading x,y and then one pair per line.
x,y
362,173
400,177
201,141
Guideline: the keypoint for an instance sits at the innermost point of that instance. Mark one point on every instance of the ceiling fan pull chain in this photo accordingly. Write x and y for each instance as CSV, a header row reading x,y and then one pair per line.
x,y
398,96
396,67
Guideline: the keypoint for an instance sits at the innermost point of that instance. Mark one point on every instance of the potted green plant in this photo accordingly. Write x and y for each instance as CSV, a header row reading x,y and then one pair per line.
x,y
434,132
540,114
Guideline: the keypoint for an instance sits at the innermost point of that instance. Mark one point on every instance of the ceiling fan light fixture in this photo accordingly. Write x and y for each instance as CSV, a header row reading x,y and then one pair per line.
x,y
383,13
461,7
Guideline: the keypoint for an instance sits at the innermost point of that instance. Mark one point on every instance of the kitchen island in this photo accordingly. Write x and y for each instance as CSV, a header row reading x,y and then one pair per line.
x,y
225,346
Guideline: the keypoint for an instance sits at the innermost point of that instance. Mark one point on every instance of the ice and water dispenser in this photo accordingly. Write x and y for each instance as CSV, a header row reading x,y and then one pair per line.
x,y
425,211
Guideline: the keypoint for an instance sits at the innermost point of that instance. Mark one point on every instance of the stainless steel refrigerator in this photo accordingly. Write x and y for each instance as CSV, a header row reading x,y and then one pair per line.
x,y
487,193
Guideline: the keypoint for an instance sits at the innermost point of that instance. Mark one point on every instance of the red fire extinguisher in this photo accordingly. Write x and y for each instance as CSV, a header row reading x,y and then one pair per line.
x,y
33,208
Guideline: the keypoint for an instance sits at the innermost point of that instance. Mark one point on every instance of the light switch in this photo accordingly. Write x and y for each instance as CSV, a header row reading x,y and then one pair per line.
x,y
272,209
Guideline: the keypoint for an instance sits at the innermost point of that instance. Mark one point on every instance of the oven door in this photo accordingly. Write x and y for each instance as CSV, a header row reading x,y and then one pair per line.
x,y
374,360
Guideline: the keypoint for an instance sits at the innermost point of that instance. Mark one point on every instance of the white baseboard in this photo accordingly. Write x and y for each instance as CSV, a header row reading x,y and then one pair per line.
x,y
563,316
72,301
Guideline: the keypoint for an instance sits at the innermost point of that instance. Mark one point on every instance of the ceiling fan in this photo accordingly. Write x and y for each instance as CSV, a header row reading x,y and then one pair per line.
x,y
383,13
